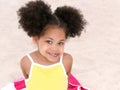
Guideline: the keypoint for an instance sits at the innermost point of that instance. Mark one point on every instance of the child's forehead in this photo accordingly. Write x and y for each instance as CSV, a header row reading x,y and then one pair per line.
x,y
54,32
54,29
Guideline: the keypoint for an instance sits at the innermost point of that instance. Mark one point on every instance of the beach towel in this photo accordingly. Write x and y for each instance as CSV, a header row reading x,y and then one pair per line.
x,y
73,84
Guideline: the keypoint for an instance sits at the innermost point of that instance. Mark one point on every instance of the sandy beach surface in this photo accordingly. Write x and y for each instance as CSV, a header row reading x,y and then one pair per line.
x,y
96,53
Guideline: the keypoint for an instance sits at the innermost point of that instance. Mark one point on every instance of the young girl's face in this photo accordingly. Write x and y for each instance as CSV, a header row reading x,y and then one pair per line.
x,y
51,43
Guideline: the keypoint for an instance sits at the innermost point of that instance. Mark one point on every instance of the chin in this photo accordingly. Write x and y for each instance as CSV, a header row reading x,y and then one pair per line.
x,y
54,59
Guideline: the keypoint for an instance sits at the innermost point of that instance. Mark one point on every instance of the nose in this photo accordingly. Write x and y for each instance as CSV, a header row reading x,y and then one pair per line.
x,y
54,47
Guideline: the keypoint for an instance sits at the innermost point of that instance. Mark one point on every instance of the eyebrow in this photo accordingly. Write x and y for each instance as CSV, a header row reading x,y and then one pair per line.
x,y
53,39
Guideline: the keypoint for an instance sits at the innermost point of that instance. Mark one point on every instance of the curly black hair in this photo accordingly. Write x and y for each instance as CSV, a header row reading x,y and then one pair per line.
x,y
36,15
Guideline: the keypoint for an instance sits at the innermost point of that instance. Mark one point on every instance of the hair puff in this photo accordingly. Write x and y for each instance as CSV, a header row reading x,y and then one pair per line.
x,y
34,16
73,18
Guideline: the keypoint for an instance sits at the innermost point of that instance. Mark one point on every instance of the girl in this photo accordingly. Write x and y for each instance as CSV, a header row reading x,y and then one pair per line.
x,y
48,68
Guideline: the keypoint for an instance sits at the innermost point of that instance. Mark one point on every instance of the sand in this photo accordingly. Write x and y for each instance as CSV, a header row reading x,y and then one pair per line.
x,y
96,53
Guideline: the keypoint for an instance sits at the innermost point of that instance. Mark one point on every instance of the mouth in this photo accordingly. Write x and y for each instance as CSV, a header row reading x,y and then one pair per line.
x,y
53,54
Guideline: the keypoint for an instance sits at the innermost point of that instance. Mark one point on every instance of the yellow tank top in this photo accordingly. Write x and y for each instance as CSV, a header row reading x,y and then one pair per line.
x,y
52,77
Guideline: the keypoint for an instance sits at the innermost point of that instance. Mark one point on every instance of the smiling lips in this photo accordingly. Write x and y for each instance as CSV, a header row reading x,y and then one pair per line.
x,y
53,54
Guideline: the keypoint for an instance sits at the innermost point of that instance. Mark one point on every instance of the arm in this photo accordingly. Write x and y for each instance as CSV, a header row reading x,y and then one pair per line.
x,y
67,61
25,66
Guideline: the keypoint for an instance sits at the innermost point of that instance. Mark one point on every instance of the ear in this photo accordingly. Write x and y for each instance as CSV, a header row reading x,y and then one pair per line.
x,y
35,39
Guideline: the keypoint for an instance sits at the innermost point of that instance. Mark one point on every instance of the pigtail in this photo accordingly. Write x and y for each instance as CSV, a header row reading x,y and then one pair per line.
x,y
34,16
73,18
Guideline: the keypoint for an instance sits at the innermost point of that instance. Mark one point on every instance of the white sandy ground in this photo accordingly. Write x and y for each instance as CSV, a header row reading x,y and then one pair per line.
x,y
96,53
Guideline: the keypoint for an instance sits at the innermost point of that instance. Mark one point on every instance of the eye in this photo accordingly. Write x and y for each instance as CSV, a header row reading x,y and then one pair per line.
x,y
61,43
49,42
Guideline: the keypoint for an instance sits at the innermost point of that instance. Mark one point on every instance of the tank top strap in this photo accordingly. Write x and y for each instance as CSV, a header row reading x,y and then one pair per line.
x,y
30,58
63,67
61,59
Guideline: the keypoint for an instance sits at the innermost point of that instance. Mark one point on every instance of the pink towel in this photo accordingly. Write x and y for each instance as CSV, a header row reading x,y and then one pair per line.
x,y
19,84
74,84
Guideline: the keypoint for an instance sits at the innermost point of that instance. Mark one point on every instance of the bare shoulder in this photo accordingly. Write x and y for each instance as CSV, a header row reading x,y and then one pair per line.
x,y
67,61
67,58
24,61
25,66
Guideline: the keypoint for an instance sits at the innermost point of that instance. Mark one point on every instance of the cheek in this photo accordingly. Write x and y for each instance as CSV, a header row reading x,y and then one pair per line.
x,y
61,49
42,47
